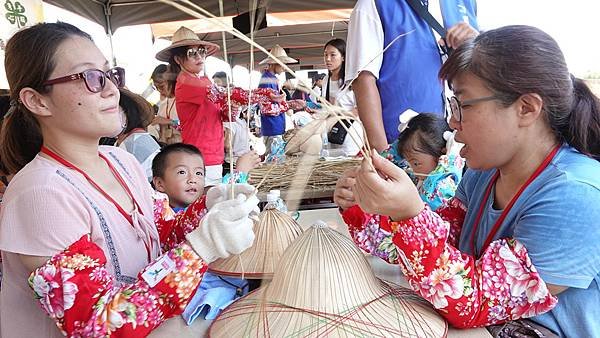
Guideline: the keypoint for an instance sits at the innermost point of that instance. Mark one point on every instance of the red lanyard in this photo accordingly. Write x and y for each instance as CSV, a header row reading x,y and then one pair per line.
x,y
500,219
127,216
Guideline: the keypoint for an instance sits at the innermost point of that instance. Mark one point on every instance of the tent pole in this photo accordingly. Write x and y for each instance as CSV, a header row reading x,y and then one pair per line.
x,y
110,34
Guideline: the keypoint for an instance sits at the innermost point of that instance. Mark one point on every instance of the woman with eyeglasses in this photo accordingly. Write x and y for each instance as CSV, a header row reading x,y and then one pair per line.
x,y
81,249
521,238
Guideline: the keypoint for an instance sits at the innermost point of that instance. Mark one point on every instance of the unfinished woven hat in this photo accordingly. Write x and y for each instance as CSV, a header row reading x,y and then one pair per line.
x,y
324,287
280,54
186,37
274,232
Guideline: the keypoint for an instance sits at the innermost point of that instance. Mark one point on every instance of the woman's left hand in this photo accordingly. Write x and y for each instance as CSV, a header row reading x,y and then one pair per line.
x,y
388,191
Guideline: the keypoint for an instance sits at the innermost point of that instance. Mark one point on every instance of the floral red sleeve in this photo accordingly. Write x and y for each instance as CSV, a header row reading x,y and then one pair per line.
x,y
172,227
373,233
75,289
239,96
502,285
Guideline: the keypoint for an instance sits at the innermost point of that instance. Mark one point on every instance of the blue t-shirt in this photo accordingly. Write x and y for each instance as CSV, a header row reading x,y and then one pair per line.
x,y
271,125
557,218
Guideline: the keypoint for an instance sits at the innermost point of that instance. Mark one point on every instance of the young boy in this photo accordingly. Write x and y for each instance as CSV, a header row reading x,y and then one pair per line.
x,y
178,172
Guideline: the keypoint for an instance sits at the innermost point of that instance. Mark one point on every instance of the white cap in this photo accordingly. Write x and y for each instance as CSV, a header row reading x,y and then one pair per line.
x,y
275,192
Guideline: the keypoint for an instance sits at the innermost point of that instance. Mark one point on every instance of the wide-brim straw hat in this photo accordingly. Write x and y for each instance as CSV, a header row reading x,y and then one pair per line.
x,y
186,37
280,54
274,232
324,287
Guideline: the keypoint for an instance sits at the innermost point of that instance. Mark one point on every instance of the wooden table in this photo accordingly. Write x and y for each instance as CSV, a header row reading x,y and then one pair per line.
x,y
176,327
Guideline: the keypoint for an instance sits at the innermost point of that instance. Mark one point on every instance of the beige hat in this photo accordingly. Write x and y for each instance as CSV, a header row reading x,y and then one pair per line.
x,y
186,37
275,231
324,287
280,54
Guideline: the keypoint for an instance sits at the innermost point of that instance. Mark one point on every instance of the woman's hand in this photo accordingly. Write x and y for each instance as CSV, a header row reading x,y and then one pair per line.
x,y
343,195
247,162
388,191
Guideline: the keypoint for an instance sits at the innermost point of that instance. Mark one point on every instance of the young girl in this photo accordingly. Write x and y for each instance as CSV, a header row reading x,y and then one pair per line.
x,y
201,105
437,169
76,224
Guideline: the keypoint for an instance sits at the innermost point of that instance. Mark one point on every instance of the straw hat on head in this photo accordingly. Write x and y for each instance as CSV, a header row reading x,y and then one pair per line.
x,y
280,54
275,231
324,287
186,37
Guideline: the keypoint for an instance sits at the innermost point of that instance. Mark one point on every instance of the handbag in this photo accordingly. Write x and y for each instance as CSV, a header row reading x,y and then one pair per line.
x,y
337,133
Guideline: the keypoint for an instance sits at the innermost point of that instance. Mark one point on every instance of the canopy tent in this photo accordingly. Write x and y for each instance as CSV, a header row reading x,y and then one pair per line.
x,y
302,34
112,14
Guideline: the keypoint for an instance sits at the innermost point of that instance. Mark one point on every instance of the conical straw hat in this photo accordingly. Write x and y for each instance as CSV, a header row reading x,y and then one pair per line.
x,y
324,287
274,232
186,37
280,54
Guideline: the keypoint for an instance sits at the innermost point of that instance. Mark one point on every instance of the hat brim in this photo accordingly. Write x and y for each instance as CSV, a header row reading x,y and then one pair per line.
x,y
283,59
397,312
275,231
165,54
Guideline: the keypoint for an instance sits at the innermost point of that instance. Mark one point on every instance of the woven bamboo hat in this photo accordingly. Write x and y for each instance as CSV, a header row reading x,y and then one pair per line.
x,y
186,37
324,287
274,232
280,54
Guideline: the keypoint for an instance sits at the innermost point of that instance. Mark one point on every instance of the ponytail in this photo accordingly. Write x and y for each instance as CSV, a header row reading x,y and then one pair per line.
x,y
583,128
20,137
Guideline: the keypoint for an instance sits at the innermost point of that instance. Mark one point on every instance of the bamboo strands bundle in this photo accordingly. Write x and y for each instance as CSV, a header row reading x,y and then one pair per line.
x,y
321,176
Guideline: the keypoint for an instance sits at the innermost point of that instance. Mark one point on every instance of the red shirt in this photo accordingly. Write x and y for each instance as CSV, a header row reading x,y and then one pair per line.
x,y
199,117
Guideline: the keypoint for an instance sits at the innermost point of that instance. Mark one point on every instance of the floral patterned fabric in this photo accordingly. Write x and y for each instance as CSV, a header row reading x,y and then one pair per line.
x,y
76,290
373,233
239,96
499,286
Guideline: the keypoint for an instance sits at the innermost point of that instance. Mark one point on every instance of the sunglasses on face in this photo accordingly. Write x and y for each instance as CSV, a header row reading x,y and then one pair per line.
x,y
196,52
94,79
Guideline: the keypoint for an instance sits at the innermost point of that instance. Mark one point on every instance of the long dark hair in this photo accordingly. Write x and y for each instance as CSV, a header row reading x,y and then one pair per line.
x,y
174,68
21,137
340,45
516,60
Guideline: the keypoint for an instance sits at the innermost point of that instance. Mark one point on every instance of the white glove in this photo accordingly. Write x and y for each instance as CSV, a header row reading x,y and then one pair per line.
x,y
225,230
222,192
452,147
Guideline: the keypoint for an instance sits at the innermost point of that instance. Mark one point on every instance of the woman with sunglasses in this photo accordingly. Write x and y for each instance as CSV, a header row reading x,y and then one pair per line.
x,y
521,238
202,106
77,226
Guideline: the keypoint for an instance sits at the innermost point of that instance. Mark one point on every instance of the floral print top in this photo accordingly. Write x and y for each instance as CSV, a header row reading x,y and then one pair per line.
x,y
75,289
499,286
373,233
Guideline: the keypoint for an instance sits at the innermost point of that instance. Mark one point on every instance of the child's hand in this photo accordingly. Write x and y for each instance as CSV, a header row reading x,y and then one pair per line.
x,y
247,162
452,147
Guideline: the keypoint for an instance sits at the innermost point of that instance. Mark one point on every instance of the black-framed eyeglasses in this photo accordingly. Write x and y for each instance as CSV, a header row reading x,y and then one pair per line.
x,y
193,53
456,106
94,79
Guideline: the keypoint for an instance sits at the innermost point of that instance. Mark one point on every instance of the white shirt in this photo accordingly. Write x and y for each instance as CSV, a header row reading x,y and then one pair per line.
x,y
240,138
366,39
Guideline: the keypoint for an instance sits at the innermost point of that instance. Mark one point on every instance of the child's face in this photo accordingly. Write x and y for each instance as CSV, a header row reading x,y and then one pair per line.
x,y
183,180
421,163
